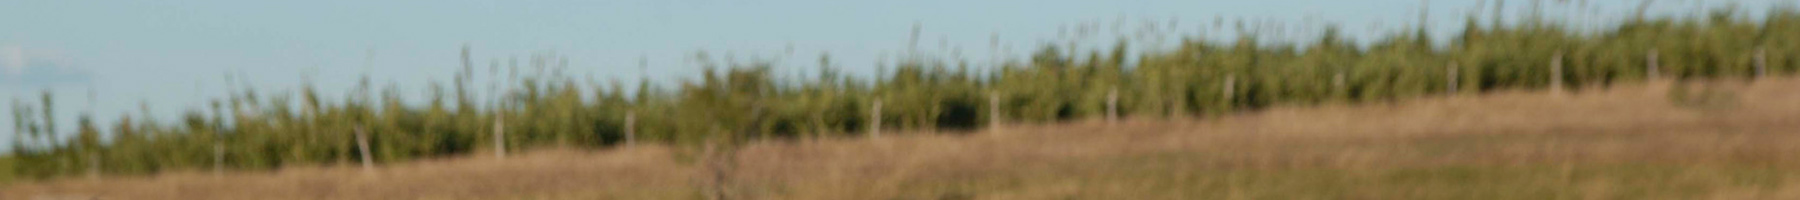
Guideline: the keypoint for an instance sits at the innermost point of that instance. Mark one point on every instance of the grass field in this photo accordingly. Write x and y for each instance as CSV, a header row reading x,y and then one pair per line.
x,y
1713,140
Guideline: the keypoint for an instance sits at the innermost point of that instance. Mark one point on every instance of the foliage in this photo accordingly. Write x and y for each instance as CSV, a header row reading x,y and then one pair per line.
x,y
742,101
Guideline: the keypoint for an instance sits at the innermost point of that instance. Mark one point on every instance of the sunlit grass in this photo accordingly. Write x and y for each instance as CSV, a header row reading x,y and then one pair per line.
x,y
1624,142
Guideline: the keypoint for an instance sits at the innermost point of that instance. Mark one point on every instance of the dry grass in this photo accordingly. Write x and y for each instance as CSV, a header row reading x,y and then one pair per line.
x,y
1737,140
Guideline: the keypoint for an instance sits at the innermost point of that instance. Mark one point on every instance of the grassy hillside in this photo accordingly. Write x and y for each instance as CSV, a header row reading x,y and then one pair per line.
x,y
733,102
1713,140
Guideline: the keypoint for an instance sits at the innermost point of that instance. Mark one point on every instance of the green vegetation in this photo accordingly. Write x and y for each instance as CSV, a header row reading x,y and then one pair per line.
x,y
744,102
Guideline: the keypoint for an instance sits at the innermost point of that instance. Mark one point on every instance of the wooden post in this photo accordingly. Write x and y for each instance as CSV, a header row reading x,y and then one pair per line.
x,y
1556,73
1450,79
1230,89
362,147
93,166
1651,68
1175,105
994,110
1337,85
875,120
630,128
1172,107
1762,62
218,159
1112,105
500,136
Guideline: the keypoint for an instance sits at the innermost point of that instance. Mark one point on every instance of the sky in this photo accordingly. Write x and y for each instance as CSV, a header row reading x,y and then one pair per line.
x,y
113,58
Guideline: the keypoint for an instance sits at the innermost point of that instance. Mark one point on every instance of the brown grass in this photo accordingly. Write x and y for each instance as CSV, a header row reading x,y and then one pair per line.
x,y
1737,140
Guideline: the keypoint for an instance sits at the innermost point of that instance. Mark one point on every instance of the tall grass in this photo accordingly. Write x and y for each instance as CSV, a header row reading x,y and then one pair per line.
x,y
736,103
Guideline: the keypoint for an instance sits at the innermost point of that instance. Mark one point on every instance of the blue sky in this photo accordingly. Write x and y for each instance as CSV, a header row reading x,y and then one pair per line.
x,y
173,55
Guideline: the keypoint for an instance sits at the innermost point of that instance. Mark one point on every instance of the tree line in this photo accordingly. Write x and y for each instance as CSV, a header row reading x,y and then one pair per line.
x,y
734,102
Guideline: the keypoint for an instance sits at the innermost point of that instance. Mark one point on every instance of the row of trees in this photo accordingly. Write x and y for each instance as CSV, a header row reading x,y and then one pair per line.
x,y
740,102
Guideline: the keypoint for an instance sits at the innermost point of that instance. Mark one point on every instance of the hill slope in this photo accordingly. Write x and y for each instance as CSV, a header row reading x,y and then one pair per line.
x,y
1722,140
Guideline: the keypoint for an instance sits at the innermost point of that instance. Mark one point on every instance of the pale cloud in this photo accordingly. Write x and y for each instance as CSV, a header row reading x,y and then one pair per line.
x,y
12,58
21,67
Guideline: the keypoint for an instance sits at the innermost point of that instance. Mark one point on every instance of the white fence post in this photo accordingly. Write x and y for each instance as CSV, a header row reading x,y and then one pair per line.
x,y
631,128
1230,90
1175,106
994,110
1112,105
1651,68
362,147
93,166
875,120
218,158
1451,79
1556,72
1762,62
500,135
1337,85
